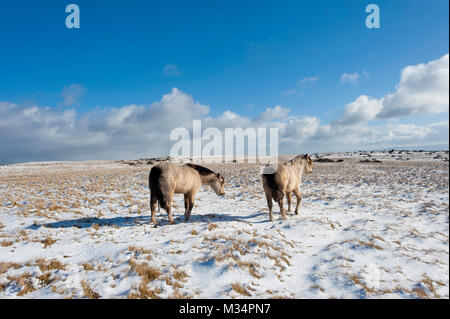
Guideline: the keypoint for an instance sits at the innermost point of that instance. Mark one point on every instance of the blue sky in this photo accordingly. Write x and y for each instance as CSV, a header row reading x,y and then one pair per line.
x,y
240,56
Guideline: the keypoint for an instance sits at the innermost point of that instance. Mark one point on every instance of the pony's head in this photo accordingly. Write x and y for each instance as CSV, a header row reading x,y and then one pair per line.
x,y
308,163
218,184
303,162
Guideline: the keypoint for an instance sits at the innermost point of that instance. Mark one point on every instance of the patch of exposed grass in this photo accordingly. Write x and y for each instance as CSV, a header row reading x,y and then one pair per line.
x,y
46,265
144,292
88,291
48,241
45,279
180,275
6,243
239,289
212,226
148,273
88,266
5,266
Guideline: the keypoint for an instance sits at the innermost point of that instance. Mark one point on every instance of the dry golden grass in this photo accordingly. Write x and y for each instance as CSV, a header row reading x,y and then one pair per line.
x,y
180,275
88,291
144,292
141,250
6,243
88,266
212,226
5,266
48,241
45,279
240,289
23,280
177,295
194,232
148,273
26,288
420,292
46,265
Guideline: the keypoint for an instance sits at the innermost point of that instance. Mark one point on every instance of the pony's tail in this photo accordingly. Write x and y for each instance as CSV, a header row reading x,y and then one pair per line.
x,y
273,186
155,187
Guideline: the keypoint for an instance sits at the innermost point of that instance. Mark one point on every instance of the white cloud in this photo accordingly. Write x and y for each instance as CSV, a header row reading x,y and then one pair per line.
x,y
42,133
71,94
32,133
311,79
301,82
171,69
289,92
350,78
363,109
423,88
270,114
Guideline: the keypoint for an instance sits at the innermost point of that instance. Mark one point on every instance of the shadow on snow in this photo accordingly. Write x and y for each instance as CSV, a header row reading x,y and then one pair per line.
x,y
146,220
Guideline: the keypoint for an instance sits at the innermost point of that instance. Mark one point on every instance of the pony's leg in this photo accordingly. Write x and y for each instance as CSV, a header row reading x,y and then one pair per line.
x,y
153,201
169,208
299,199
280,203
289,200
186,206
269,204
191,197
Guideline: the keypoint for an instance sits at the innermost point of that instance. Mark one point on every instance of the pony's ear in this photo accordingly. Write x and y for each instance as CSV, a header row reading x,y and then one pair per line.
x,y
218,174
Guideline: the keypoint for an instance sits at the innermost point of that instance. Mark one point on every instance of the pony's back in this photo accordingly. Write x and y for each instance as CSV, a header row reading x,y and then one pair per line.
x,y
273,184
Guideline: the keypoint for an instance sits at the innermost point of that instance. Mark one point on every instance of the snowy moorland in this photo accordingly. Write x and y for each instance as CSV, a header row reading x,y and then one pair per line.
x,y
374,225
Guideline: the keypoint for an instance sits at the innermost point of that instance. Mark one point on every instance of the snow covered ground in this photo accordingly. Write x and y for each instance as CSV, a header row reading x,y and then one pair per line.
x,y
364,230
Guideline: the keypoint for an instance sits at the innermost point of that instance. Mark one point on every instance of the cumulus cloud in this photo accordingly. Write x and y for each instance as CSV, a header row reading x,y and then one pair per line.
x,y
423,88
270,114
71,94
35,133
363,109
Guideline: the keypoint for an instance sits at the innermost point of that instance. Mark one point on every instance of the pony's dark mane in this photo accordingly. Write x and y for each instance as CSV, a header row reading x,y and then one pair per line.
x,y
299,157
200,169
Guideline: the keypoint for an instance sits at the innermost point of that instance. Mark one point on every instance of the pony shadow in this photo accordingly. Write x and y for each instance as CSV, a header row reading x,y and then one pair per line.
x,y
217,218
145,220
90,221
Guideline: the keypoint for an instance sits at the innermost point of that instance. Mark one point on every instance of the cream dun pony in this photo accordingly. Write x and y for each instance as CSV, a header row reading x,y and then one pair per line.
x,y
167,179
285,181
